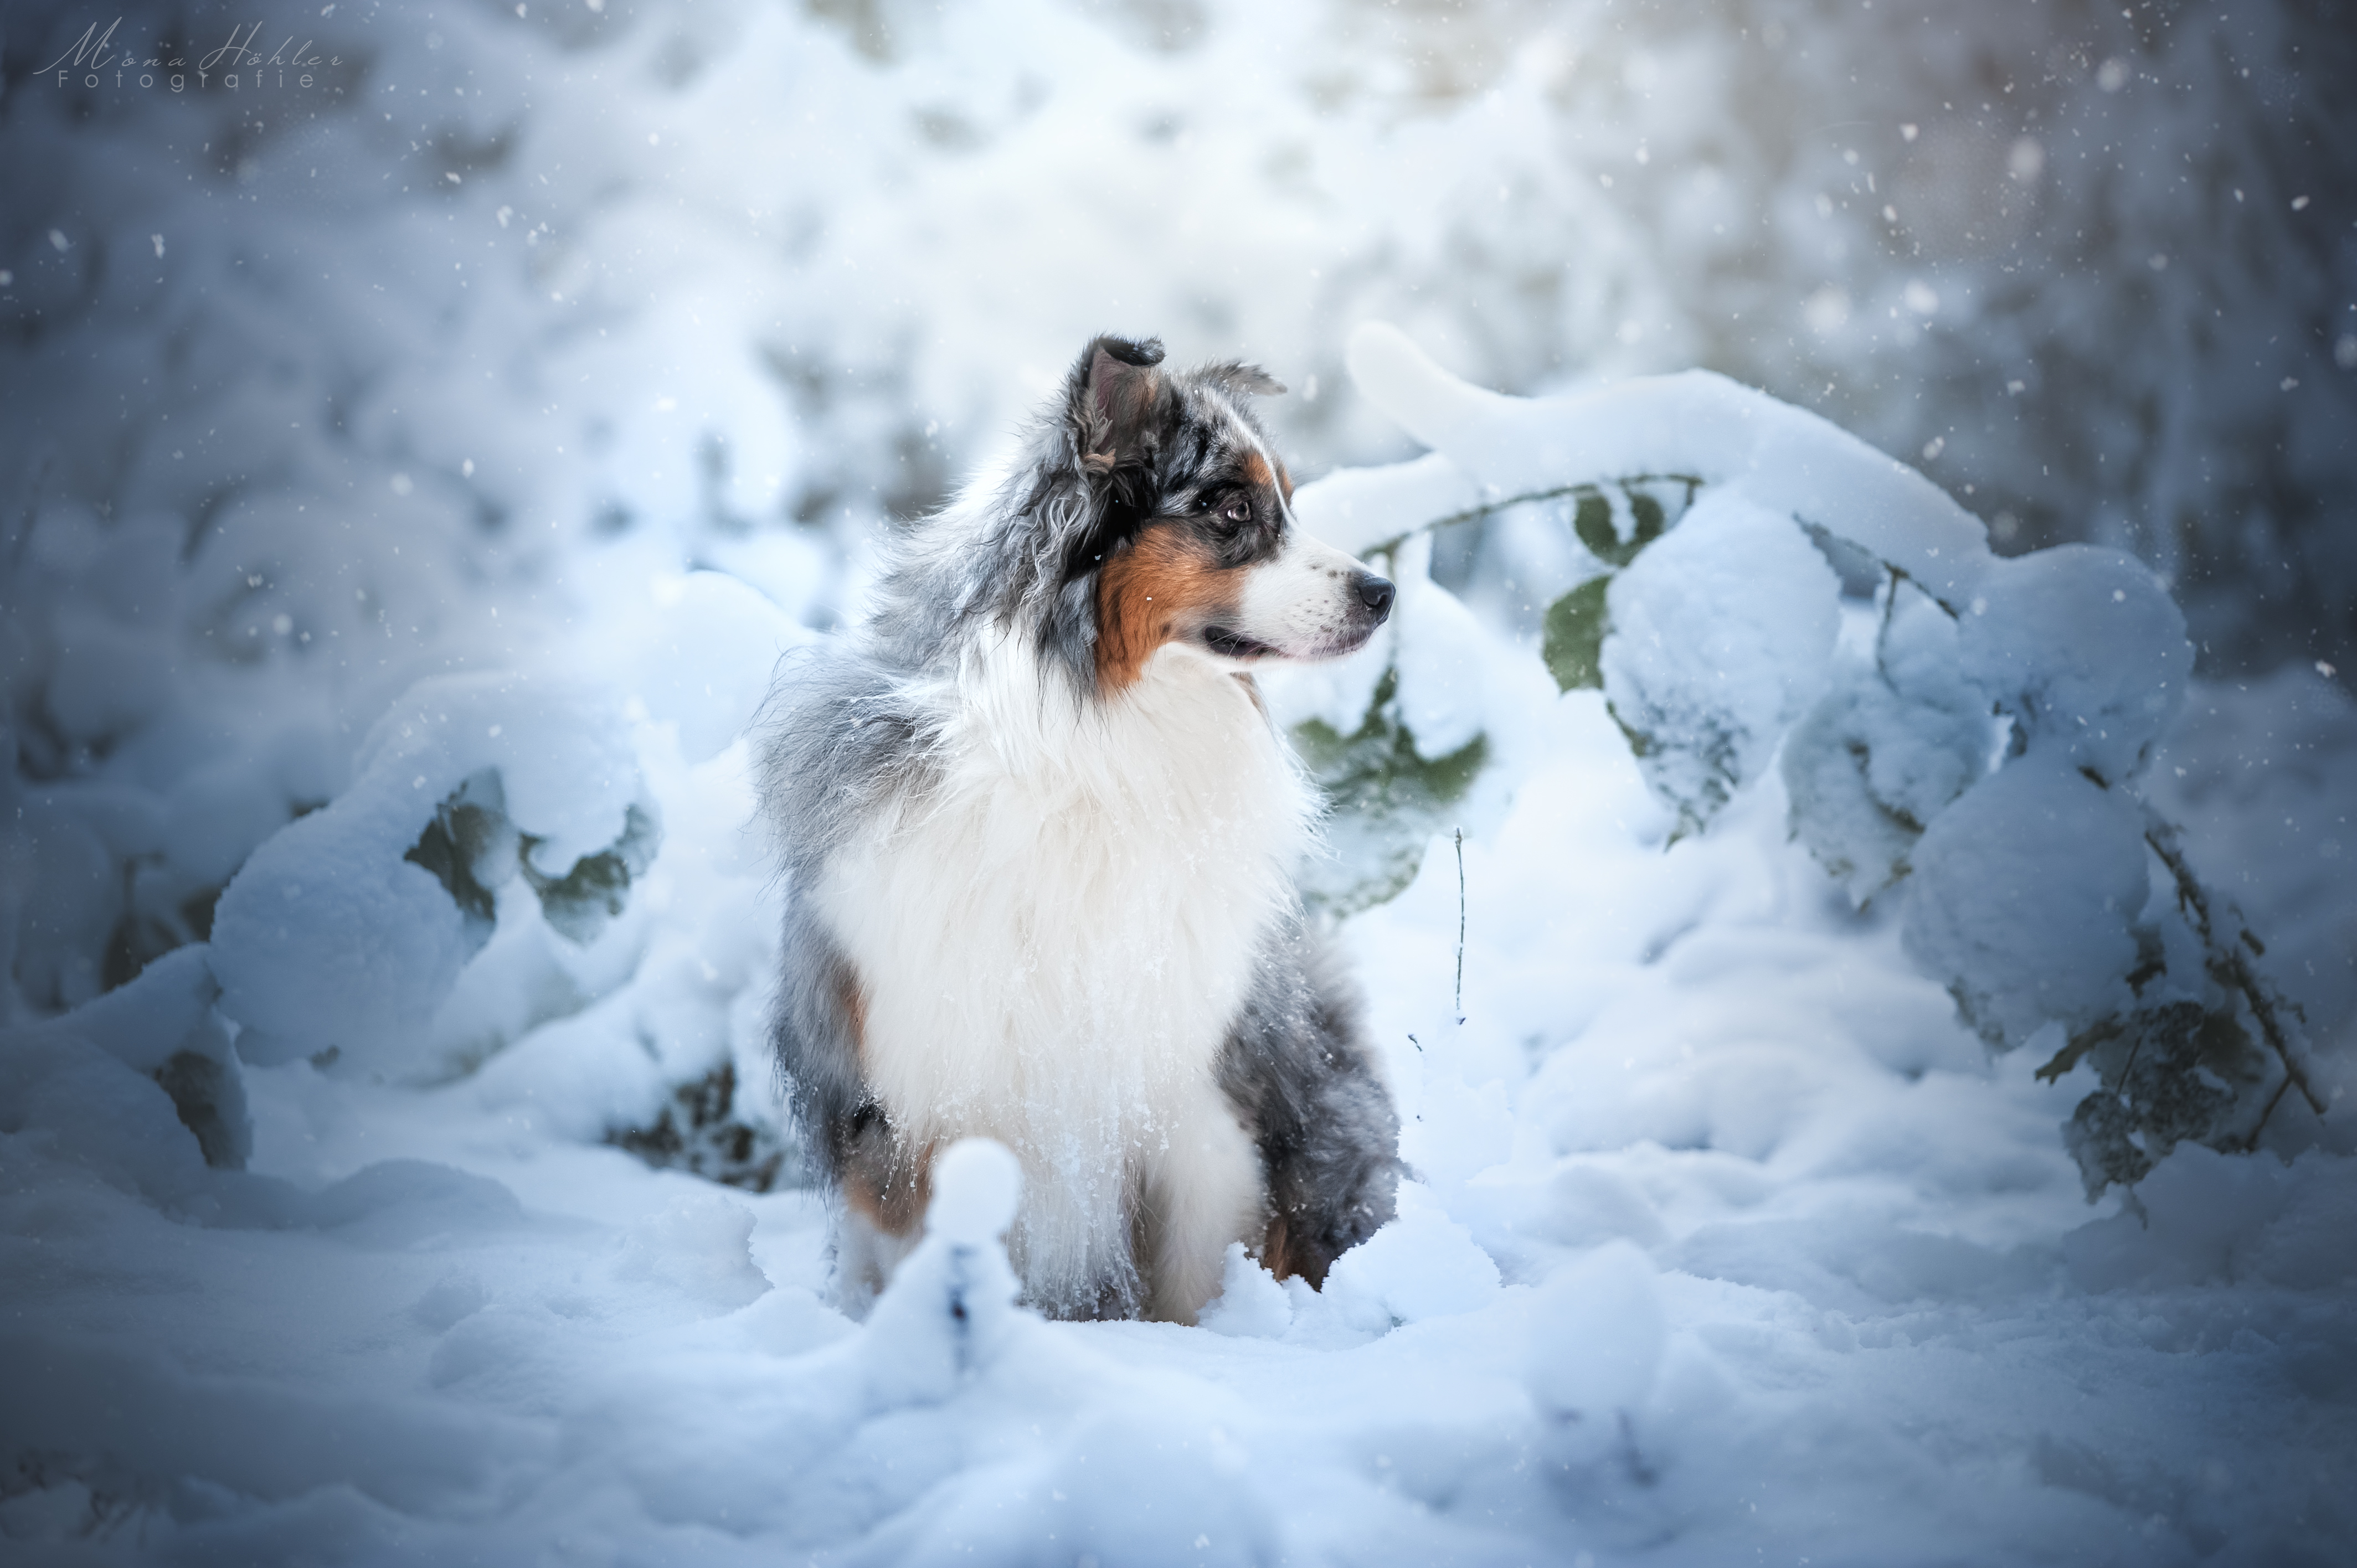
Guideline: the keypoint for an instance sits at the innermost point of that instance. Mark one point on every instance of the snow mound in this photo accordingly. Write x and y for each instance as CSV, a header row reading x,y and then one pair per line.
x,y
346,931
1596,1338
1251,1304
2083,649
1720,633
950,1311
1891,743
698,1247
977,1184
2024,891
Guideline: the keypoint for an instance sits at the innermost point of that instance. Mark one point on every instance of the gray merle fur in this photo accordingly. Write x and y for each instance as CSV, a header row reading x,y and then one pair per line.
x,y
849,732
1296,1068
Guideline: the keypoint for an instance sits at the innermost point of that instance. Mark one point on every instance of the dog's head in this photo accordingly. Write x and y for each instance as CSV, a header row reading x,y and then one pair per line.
x,y
1177,524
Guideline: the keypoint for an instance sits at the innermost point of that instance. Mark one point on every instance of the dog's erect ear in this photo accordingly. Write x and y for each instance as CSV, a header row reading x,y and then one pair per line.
x,y
1111,388
1238,376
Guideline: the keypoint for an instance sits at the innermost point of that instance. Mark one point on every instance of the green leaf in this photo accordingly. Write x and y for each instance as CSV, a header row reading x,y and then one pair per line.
x,y
1385,797
2174,1073
1651,521
1592,519
701,1133
465,848
2101,1031
579,903
1573,640
1593,522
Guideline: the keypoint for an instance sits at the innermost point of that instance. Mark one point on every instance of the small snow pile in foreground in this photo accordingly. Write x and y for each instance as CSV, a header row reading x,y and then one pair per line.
x,y
1728,1238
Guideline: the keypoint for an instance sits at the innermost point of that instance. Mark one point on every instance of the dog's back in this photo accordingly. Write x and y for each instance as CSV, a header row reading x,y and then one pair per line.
x,y
1039,835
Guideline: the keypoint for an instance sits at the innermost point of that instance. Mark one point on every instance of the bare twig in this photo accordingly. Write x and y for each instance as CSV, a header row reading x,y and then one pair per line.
x,y
1460,925
2230,966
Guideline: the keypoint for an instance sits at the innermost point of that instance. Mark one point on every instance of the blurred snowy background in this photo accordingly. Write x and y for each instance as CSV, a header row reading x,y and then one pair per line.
x,y
580,353
506,309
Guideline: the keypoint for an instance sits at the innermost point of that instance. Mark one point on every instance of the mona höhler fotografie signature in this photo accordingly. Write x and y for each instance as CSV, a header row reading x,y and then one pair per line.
x,y
237,65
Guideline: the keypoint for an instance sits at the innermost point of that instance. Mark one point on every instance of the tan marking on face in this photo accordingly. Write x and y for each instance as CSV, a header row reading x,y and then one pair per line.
x,y
1285,482
1161,587
1256,470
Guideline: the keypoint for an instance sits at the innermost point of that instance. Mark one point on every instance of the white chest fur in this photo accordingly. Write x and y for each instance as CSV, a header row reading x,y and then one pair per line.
x,y
1051,945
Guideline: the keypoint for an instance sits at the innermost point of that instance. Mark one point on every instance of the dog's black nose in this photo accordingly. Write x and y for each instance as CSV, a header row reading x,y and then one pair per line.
x,y
1376,594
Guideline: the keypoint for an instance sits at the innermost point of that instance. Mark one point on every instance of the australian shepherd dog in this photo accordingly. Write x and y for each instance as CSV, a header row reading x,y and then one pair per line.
x,y
1039,836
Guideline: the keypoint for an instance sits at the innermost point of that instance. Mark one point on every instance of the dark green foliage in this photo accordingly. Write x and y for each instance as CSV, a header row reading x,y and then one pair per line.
x,y
1699,791
1647,512
1592,520
2211,1072
2171,1074
466,847
1577,624
211,1104
448,848
579,903
2185,1070
700,1133
1385,797
1573,644
471,847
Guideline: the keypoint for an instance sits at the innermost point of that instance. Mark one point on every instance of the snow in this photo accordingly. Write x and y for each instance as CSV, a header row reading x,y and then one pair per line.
x,y
330,938
1692,424
1985,906
1596,1341
976,1189
365,495
1437,646
1706,1154
1897,737
1720,635
2084,650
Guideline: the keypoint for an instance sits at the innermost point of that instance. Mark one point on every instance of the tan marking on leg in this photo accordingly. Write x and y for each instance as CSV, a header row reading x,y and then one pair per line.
x,y
1273,1255
910,1192
890,1185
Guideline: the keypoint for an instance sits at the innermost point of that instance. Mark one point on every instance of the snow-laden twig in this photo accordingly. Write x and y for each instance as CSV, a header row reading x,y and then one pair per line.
x,y
1460,925
1710,633
2229,964
1391,544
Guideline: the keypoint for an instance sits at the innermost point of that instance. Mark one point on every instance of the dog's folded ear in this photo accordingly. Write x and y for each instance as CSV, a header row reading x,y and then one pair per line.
x,y
1127,350
1111,388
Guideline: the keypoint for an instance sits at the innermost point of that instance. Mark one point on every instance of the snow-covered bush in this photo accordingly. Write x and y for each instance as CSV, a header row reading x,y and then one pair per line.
x,y
1980,743
342,936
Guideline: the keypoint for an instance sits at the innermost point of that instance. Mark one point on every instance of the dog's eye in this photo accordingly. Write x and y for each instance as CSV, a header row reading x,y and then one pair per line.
x,y
1237,511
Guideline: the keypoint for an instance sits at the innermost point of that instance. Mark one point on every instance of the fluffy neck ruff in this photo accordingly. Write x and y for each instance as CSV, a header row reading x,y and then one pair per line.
x,y
1054,937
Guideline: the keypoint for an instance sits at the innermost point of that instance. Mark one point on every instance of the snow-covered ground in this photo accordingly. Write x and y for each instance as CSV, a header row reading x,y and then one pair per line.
x,y
479,429
1730,1244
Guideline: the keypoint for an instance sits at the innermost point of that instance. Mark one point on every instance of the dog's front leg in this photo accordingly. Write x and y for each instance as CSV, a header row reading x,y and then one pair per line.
x,y
883,1187
1201,1190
